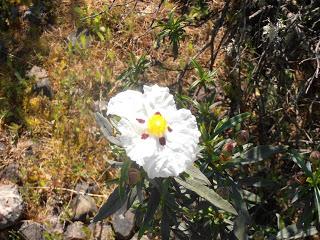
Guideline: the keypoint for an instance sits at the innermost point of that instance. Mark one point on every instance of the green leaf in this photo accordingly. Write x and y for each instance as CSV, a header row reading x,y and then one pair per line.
x,y
124,176
232,122
250,196
132,195
165,225
113,204
207,193
317,201
107,129
197,175
152,207
298,159
240,227
292,232
243,218
258,153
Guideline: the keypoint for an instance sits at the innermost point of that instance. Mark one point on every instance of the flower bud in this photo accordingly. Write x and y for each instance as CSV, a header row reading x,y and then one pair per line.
x,y
314,157
242,137
134,176
229,147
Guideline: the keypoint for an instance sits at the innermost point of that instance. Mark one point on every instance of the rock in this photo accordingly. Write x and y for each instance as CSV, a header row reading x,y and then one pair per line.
x,y
52,219
42,85
31,230
101,231
37,73
54,225
123,223
82,207
75,232
74,38
11,173
2,147
11,205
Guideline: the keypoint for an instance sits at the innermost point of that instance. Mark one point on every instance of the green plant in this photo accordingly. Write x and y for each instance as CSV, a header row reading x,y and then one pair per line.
x,y
136,67
172,29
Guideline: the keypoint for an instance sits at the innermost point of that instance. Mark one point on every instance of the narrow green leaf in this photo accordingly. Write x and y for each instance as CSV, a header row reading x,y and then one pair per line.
x,y
165,226
152,207
232,122
132,195
298,159
317,201
114,203
107,129
124,176
258,153
207,193
197,175
240,227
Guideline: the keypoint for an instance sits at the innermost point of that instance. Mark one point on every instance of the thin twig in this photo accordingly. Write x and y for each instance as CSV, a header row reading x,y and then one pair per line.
x,y
209,44
68,190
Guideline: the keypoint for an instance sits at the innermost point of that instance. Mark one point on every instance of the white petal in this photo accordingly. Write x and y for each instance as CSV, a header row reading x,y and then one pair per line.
x,y
141,150
127,104
158,99
181,148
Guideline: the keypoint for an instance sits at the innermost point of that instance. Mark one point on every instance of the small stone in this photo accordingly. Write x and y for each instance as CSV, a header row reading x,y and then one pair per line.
x,y
42,85
2,147
101,231
11,173
37,73
82,207
31,230
75,232
11,205
54,225
74,38
123,223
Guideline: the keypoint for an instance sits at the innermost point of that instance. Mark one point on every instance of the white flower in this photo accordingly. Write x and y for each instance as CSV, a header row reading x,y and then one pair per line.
x,y
155,135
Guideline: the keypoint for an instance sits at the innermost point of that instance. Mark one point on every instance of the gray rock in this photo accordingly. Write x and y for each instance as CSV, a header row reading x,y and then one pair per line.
x,y
54,225
82,207
2,147
123,223
74,38
11,173
42,85
31,230
11,205
75,232
37,73
101,231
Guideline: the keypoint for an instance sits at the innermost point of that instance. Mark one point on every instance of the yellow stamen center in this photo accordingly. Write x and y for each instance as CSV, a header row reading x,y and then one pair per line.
x,y
157,125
